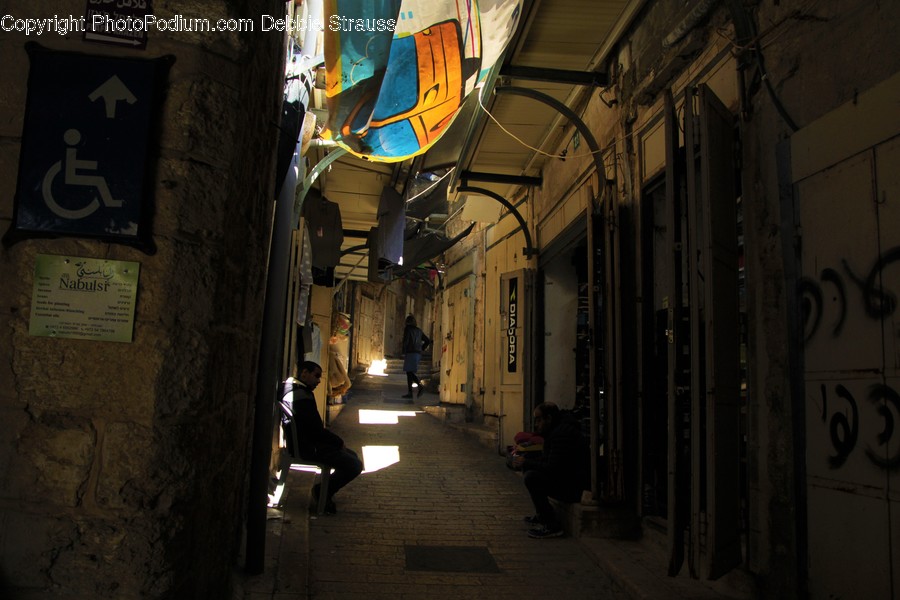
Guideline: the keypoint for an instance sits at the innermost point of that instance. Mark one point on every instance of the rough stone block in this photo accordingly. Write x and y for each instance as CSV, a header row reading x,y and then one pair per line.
x,y
177,287
9,174
51,372
199,121
199,219
55,465
12,97
28,560
8,393
98,558
123,460
229,44
13,422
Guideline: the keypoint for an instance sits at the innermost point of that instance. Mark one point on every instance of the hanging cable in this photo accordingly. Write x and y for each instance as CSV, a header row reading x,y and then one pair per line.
x,y
755,46
563,156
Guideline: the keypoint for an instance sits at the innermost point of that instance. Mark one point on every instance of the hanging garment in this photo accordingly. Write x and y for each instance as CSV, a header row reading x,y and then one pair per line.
x,y
306,275
314,349
391,225
326,233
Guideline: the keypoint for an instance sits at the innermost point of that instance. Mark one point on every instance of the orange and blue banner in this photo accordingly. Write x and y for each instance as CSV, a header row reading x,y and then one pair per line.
x,y
398,71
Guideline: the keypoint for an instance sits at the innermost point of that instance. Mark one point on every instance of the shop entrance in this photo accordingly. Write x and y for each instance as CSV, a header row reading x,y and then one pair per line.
x,y
693,401
564,354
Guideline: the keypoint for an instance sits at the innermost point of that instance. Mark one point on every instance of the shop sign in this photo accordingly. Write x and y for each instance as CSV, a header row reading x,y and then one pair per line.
x,y
117,22
84,298
512,350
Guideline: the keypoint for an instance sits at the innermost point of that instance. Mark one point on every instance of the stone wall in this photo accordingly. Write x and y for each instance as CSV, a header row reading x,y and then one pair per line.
x,y
122,465
816,61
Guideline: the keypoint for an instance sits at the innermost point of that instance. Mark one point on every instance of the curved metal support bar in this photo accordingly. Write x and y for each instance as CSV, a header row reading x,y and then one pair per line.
x,y
353,249
311,178
529,250
569,114
606,334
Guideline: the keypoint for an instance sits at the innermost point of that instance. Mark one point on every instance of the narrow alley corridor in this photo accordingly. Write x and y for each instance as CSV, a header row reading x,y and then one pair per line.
x,y
436,514
445,521
679,221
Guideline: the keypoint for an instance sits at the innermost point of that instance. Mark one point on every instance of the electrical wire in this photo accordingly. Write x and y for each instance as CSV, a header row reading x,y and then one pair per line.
x,y
757,42
432,186
507,131
756,45
538,150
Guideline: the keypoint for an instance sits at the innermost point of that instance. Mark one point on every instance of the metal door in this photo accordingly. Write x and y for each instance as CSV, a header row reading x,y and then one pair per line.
x,y
714,310
678,355
850,278
457,359
703,330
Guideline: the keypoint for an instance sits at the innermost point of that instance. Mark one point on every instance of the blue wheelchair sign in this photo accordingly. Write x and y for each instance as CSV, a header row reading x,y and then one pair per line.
x,y
85,161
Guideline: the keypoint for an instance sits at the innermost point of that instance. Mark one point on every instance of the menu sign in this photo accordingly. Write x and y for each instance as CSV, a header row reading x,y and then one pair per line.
x,y
84,298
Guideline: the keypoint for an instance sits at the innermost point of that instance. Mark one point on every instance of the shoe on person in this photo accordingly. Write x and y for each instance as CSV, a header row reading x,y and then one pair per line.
x,y
421,391
406,395
330,507
533,520
540,533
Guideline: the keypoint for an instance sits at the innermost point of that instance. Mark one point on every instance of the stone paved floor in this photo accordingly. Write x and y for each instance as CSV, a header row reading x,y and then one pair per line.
x,y
447,489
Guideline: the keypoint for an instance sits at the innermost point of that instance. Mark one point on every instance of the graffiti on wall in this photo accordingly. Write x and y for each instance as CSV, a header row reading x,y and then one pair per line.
x,y
841,409
843,427
878,302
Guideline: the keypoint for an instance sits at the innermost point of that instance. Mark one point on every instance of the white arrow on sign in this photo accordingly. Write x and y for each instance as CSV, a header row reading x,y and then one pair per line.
x,y
112,91
110,39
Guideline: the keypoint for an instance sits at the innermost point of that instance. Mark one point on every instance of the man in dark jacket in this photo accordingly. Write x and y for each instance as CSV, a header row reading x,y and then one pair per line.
x,y
315,442
562,471
414,343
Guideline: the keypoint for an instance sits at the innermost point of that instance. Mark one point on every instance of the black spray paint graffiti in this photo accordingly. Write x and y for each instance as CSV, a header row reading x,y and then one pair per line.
x,y
878,303
844,427
811,303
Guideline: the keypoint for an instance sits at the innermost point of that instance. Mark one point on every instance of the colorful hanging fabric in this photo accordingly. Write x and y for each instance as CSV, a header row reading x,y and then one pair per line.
x,y
398,71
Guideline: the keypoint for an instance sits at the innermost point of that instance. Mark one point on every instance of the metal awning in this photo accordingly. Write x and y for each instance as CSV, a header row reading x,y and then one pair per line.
x,y
553,37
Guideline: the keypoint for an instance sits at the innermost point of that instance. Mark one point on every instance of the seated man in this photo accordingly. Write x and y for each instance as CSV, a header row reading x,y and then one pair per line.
x,y
317,443
561,471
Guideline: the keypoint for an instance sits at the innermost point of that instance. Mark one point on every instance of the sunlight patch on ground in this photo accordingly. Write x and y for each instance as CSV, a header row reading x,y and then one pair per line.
x,y
275,497
307,468
380,457
377,368
383,417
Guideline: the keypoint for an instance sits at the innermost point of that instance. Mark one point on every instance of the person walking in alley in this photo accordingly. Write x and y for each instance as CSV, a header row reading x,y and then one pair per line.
x,y
315,442
562,471
414,343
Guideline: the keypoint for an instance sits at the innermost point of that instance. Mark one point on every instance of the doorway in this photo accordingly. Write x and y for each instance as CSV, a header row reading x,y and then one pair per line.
x,y
565,357
654,408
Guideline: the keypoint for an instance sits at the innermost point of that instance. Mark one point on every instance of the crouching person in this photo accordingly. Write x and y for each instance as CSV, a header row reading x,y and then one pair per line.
x,y
561,472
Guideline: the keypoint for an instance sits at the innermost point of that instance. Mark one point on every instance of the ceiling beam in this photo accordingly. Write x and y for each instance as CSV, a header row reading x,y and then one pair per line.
x,y
467,176
590,78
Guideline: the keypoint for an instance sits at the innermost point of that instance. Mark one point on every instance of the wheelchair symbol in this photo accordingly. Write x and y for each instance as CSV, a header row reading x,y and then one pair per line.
x,y
71,166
